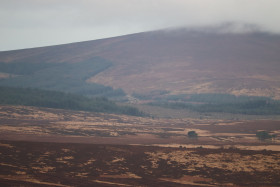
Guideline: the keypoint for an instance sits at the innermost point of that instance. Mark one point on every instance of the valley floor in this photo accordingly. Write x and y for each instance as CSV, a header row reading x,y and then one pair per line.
x,y
53,147
55,125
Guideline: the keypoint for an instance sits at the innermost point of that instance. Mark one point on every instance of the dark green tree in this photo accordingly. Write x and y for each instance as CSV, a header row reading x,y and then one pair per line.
x,y
264,135
192,134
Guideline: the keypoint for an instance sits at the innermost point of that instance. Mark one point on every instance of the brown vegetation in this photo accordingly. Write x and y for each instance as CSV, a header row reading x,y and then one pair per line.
x,y
179,61
55,125
54,164
225,153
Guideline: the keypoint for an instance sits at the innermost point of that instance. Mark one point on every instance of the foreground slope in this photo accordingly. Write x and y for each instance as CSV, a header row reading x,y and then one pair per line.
x,y
95,150
53,164
175,62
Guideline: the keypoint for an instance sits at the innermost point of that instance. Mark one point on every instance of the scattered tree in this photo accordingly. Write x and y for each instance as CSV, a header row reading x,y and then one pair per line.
x,y
192,134
263,135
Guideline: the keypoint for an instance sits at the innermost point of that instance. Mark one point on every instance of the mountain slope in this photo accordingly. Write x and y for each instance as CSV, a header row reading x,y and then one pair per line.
x,y
66,77
175,62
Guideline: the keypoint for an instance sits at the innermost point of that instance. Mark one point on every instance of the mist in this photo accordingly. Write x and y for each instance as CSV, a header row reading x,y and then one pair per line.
x,y
31,23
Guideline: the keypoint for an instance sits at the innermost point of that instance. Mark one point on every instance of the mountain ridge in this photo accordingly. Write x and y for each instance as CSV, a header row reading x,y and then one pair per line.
x,y
175,61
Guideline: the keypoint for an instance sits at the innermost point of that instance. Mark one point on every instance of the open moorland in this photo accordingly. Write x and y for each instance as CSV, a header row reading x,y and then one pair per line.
x,y
57,125
55,147
57,164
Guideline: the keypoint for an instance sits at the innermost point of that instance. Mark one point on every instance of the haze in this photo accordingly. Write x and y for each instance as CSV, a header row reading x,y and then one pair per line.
x,y
31,23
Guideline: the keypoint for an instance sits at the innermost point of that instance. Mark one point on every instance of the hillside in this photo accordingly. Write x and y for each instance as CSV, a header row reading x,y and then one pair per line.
x,y
171,62
66,77
61,100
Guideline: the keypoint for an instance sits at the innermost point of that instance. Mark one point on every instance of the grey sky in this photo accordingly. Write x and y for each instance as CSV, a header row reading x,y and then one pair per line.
x,y
33,23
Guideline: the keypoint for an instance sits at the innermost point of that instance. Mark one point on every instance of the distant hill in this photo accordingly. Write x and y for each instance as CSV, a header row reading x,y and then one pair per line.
x,y
170,62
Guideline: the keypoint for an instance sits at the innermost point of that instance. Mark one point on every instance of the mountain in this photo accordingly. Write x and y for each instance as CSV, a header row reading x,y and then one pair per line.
x,y
169,62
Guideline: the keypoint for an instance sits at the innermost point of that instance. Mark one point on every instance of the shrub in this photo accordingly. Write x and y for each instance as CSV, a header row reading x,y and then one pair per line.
x,y
192,134
263,135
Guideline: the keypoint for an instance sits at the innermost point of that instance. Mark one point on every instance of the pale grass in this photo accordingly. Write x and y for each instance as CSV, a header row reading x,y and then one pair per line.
x,y
111,183
90,161
6,145
118,160
26,178
4,164
189,180
127,175
230,161
44,169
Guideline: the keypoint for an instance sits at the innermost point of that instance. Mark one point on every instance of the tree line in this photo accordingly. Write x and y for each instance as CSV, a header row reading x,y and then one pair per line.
x,y
65,77
61,100
223,103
